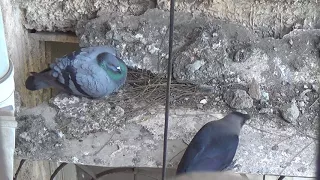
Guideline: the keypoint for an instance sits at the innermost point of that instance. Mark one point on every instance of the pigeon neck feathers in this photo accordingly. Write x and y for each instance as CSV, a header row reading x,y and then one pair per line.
x,y
231,123
114,67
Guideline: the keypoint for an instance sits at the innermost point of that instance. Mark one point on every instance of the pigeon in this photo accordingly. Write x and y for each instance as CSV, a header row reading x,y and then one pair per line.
x,y
214,146
92,72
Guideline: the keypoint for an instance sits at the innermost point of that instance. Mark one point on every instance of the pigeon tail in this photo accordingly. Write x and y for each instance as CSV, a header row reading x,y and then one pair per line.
x,y
35,82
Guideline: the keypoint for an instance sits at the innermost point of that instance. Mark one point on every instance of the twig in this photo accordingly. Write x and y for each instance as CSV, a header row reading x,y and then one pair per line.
x,y
104,145
178,154
314,102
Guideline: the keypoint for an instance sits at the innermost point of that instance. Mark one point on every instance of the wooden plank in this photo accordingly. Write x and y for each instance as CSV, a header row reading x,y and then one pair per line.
x,y
55,37
36,62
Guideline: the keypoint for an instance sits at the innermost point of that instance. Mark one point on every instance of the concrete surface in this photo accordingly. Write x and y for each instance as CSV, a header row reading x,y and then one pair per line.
x,y
266,145
268,18
41,170
126,129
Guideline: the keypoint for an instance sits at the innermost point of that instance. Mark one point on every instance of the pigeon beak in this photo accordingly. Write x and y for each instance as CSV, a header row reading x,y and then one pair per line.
x,y
119,69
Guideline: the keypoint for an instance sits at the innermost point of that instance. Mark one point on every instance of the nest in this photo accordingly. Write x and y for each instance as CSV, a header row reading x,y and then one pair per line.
x,y
143,85
143,89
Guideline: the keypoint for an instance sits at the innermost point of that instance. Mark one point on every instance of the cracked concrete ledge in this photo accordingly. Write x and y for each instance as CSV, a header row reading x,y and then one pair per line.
x,y
270,78
266,147
267,18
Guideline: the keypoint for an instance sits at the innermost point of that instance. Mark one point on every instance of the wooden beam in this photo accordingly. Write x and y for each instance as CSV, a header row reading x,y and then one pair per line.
x,y
55,37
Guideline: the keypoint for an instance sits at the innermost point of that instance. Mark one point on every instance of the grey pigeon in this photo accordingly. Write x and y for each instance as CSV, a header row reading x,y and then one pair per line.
x,y
214,146
92,72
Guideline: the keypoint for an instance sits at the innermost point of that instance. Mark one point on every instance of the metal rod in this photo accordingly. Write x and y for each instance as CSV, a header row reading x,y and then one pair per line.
x,y
19,168
57,170
318,156
169,75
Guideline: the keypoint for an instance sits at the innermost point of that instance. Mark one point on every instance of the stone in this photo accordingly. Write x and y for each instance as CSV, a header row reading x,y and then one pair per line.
x,y
238,99
141,42
315,87
254,90
204,101
290,112
51,15
266,111
301,104
138,143
264,96
83,116
199,106
207,52
242,54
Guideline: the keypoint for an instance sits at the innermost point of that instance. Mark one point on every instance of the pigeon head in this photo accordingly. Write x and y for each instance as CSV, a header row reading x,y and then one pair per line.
x,y
114,67
239,117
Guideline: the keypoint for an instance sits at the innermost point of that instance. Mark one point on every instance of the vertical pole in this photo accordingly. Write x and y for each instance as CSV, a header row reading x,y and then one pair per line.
x,y
169,75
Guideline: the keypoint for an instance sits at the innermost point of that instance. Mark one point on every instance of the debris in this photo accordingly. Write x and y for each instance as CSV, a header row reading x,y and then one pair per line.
x,y
242,55
301,104
266,111
275,147
304,96
290,112
203,101
195,66
199,106
254,90
264,96
315,87
238,99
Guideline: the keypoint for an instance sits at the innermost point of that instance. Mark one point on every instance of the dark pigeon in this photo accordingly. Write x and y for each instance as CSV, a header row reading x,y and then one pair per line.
x,y
214,146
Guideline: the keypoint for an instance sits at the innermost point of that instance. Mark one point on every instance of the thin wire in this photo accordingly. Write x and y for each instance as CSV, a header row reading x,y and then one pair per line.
x,y
114,170
19,168
57,170
169,74
318,155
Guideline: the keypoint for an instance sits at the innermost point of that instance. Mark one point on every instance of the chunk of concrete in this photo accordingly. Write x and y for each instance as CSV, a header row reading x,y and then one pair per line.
x,y
238,99
254,90
290,112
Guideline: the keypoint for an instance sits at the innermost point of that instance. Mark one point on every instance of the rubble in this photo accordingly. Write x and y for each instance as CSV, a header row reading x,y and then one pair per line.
x,y
238,99
81,116
262,16
290,112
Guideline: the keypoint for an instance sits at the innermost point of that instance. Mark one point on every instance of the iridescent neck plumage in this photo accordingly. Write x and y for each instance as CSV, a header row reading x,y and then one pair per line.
x,y
115,75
